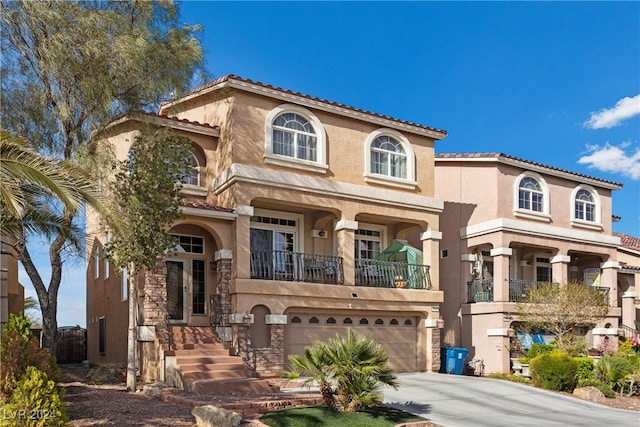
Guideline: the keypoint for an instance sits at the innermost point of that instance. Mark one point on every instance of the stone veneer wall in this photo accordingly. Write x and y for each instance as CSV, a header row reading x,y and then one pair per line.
x,y
267,362
155,296
223,270
436,361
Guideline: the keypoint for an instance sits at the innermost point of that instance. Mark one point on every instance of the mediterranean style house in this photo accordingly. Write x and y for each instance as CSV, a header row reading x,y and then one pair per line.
x,y
303,218
510,224
295,219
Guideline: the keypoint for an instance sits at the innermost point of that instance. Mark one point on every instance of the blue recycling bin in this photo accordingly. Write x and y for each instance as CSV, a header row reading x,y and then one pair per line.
x,y
455,360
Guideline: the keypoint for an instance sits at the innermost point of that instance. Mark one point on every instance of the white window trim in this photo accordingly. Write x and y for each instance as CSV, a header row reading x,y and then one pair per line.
x,y
320,165
581,223
204,244
96,261
530,214
194,168
298,244
410,181
374,227
124,284
106,258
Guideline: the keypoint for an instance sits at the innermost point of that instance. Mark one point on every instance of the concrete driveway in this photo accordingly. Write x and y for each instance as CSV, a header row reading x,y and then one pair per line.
x,y
462,401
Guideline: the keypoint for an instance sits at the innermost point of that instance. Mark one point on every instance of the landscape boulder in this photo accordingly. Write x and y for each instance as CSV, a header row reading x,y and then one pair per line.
x,y
212,416
156,389
589,393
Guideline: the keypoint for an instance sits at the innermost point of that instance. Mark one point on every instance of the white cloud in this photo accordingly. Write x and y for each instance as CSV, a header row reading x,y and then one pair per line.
x,y
610,117
614,159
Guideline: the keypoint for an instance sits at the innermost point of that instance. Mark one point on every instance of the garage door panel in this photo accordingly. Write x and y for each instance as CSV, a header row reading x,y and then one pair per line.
x,y
399,340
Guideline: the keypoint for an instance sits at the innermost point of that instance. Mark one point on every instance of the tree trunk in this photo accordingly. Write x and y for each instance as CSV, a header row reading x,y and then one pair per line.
x,y
131,335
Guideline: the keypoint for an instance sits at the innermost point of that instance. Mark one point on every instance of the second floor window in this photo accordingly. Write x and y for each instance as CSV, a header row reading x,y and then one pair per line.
x,y
388,157
294,136
191,172
585,206
530,194
368,243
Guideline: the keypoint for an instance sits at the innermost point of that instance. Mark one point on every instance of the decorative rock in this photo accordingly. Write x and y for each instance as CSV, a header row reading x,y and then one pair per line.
x,y
212,416
589,393
156,389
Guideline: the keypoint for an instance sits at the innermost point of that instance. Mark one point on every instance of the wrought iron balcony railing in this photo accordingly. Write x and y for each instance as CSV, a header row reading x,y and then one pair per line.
x,y
296,267
392,274
480,291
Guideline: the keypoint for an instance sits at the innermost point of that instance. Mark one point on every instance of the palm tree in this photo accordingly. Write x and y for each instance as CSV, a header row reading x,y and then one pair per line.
x,y
351,368
25,177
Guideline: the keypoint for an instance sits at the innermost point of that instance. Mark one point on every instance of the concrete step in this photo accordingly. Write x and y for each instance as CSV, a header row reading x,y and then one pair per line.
x,y
196,346
216,375
207,360
246,385
197,352
199,367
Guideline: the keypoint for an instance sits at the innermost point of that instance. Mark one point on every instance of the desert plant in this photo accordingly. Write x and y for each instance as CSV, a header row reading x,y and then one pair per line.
x,y
614,370
105,373
585,367
554,371
18,350
348,370
36,402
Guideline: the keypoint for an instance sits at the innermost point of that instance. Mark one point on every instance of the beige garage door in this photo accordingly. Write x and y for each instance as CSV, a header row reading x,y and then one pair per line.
x,y
397,334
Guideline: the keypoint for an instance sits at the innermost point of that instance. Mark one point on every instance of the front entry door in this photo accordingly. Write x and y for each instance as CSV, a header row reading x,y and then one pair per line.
x,y
176,287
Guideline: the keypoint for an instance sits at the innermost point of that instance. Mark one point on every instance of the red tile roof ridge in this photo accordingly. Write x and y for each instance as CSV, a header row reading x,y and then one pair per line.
x,y
229,77
207,206
497,155
628,241
629,266
176,119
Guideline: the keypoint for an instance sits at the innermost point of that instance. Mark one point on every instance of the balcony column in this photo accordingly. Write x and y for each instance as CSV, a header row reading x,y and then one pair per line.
x,y
560,268
242,256
609,279
345,235
431,255
629,308
501,257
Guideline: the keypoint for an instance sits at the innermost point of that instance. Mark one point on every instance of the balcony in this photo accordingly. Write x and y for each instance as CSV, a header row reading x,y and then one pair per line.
x,y
482,290
310,268
296,267
392,274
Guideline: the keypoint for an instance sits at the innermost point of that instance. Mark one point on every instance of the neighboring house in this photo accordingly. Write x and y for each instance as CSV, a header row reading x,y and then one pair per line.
x,y
509,224
628,275
11,291
291,205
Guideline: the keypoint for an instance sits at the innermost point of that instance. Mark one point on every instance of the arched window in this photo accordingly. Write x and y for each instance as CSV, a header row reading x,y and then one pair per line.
x,y
347,321
530,195
294,137
585,206
389,159
191,172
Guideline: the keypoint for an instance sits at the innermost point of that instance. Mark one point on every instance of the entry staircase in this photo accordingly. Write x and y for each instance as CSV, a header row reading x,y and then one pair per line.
x,y
196,360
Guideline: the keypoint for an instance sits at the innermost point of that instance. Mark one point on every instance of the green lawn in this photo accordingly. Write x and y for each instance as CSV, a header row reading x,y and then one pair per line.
x,y
319,416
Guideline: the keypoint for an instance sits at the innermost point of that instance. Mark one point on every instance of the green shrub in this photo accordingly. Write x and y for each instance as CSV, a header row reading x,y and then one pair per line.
x,y
603,387
18,350
537,349
554,371
105,373
35,402
614,370
585,367
510,377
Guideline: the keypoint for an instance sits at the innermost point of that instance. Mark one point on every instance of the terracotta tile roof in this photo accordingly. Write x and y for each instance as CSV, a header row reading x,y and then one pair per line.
x,y
206,206
628,241
518,159
175,119
625,266
230,77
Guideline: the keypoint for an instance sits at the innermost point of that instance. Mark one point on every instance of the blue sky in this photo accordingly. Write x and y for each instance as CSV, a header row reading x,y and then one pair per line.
x,y
555,83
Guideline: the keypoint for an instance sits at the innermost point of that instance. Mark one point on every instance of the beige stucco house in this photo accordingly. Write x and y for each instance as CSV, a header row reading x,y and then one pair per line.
x,y
11,291
509,224
290,203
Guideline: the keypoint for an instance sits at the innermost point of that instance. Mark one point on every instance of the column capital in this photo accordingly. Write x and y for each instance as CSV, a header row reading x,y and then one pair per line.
x,y
345,224
244,210
431,235
501,252
223,254
566,259
610,264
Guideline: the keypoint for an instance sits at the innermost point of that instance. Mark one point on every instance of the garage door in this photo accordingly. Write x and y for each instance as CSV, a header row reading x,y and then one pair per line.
x,y
397,334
